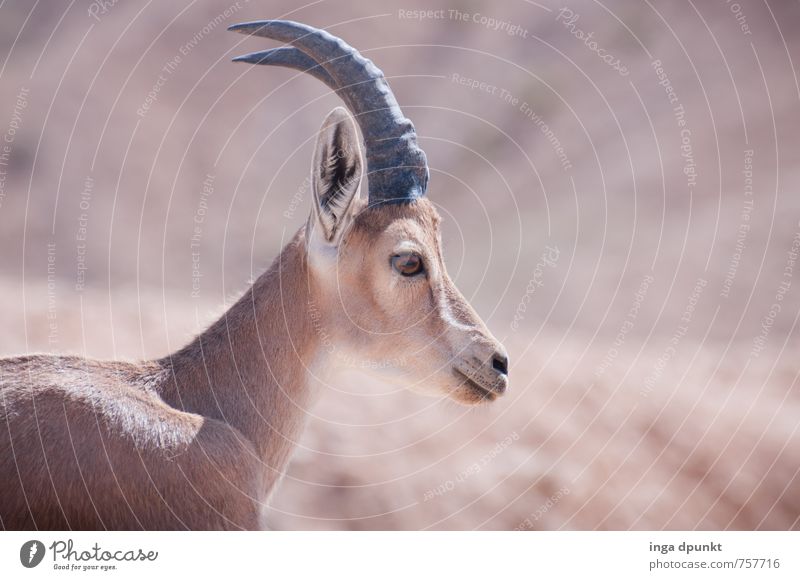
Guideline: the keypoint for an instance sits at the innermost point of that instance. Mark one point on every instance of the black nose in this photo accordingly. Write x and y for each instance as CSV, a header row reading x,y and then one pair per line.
x,y
500,363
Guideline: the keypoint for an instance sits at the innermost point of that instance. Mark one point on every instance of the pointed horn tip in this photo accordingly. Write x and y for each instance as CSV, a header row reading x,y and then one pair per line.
x,y
245,27
260,57
249,27
255,58
414,185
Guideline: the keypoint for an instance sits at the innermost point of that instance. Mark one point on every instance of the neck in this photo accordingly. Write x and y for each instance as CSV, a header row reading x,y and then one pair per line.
x,y
250,368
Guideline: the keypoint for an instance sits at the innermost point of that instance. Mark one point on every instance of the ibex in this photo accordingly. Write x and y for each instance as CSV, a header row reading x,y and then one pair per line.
x,y
199,439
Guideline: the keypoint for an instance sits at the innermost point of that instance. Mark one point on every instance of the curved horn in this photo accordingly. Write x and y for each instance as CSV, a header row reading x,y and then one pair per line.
x,y
290,58
396,166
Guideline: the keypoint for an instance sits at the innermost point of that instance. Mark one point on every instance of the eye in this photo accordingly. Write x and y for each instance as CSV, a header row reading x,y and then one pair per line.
x,y
407,264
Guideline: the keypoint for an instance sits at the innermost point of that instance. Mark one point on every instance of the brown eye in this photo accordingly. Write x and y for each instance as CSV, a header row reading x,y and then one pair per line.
x,y
407,264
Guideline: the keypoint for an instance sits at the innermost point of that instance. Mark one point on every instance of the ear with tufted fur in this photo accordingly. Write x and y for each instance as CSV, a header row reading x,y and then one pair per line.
x,y
336,174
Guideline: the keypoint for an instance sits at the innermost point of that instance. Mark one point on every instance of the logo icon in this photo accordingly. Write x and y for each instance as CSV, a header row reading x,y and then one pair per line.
x,y
31,553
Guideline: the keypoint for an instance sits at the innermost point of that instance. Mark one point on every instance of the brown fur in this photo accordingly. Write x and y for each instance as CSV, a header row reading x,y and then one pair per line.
x,y
199,439
193,441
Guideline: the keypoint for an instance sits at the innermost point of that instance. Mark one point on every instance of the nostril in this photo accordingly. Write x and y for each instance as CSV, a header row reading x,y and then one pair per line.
x,y
500,363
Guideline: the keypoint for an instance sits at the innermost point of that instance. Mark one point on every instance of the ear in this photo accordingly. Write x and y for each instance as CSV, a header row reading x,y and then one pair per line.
x,y
336,174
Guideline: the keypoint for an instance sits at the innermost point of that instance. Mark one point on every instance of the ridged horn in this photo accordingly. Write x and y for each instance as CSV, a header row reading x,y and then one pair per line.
x,y
397,168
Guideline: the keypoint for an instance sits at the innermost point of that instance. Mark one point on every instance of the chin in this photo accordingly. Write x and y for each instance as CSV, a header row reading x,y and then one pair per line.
x,y
471,396
468,392
457,388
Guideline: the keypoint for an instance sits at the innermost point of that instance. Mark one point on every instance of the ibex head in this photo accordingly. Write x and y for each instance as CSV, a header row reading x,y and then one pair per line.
x,y
375,265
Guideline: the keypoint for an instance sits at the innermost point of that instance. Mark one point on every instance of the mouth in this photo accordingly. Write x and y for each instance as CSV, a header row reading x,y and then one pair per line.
x,y
483,393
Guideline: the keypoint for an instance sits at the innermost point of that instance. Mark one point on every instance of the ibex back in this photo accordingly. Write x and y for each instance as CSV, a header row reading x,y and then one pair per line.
x,y
198,439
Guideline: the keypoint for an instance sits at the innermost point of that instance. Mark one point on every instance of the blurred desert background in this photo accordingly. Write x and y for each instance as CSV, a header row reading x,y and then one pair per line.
x,y
619,184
